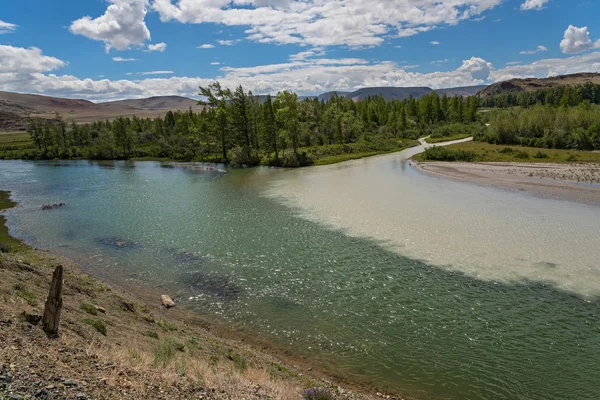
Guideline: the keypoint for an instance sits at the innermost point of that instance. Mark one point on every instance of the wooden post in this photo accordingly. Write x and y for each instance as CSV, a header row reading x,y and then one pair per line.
x,y
53,307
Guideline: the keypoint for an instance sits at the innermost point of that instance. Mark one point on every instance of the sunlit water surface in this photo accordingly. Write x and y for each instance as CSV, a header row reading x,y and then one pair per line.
x,y
424,286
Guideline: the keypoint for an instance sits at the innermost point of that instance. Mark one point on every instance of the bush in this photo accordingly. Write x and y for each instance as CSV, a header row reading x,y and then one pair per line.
x,y
506,150
522,154
238,156
318,394
445,154
96,324
152,334
90,309
540,155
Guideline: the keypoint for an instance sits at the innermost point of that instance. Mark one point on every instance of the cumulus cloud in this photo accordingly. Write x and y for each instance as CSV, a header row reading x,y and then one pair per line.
x,y
227,42
160,47
21,60
533,5
206,46
577,40
6,27
353,23
121,59
122,25
28,70
156,73
537,50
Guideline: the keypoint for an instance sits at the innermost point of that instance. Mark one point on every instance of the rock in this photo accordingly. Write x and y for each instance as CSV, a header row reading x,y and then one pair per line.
x,y
167,301
81,396
101,309
33,319
69,382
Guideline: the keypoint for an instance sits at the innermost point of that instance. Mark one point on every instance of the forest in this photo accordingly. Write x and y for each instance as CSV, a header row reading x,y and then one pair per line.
x,y
240,128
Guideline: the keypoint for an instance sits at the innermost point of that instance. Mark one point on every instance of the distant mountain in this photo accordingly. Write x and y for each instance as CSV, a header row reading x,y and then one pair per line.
x,y
533,84
14,107
463,91
390,93
326,96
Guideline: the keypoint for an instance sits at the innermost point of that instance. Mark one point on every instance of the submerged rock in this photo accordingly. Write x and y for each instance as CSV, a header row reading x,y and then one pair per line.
x,y
119,243
51,206
217,285
167,301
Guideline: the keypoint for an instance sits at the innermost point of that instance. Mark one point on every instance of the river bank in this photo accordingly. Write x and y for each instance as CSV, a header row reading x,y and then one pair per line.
x,y
119,342
573,182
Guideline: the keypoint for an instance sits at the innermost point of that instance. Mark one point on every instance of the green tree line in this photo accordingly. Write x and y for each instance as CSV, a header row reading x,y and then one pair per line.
x,y
238,127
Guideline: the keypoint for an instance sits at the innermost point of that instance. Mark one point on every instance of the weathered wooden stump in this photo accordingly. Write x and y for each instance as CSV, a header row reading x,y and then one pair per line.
x,y
54,302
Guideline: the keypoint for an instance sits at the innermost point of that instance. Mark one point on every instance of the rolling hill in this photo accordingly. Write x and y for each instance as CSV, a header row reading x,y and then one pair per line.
x,y
14,107
533,84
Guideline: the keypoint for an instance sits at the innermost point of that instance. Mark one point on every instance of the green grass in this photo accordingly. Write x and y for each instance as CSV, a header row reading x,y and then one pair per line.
x,y
485,152
448,138
25,294
166,326
96,324
325,155
152,334
238,360
166,350
8,242
90,309
15,139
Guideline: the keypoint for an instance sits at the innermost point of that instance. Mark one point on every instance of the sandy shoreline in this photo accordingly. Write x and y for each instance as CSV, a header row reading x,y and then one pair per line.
x,y
572,182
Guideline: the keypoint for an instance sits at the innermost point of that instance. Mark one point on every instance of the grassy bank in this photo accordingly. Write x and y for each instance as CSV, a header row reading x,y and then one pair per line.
x,y
114,344
325,155
448,138
7,242
15,139
485,152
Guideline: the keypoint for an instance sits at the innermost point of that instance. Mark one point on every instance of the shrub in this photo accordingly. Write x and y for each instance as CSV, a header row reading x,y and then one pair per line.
x,y
96,324
152,334
4,248
238,360
522,154
444,154
540,155
572,157
167,326
506,150
318,394
90,309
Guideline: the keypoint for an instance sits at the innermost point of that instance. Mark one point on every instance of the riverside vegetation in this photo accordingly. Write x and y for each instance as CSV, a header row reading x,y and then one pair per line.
x,y
117,345
242,129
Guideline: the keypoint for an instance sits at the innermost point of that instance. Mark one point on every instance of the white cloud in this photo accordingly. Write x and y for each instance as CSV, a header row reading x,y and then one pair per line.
x,y
440,62
122,25
156,73
206,46
514,63
28,70
21,60
537,50
533,5
435,43
160,47
353,23
227,42
215,63
121,59
577,40
6,27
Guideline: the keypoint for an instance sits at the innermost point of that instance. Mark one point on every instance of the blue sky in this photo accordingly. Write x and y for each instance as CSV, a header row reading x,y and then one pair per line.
x,y
112,49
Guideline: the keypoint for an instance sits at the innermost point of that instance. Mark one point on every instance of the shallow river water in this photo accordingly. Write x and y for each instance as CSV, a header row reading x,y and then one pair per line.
x,y
415,284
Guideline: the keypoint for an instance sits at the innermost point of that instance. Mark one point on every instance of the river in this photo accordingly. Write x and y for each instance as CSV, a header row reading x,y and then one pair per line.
x,y
419,285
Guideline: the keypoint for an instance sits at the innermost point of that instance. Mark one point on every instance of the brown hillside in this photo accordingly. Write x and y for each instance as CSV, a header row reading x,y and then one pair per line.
x,y
533,84
14,107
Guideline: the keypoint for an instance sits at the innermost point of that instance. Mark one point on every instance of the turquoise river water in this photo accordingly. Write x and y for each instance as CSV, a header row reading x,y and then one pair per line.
x,y
414,284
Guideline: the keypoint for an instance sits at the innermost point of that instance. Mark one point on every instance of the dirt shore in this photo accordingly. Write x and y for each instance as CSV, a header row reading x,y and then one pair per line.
x,y
572,182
